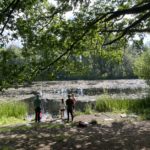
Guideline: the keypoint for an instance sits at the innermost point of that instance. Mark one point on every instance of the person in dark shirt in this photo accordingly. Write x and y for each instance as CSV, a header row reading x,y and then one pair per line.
x,y
70,106
37,105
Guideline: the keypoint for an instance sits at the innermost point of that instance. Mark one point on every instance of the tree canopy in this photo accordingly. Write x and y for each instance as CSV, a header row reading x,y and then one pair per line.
x,y
50,41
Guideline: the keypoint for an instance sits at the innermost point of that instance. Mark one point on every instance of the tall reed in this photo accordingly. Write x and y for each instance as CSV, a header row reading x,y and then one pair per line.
x,y
128,105
13,109
88,109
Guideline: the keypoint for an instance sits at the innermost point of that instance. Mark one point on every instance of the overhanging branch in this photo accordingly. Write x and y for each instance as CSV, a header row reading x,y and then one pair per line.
x,y
133,10
144,17
130,31
88,27
7,8
8,17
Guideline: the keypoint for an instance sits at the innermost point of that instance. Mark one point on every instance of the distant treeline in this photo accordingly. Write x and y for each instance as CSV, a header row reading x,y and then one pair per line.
x,y
95,67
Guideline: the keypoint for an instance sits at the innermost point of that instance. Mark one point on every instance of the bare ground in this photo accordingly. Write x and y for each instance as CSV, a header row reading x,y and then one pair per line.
x,y
111,133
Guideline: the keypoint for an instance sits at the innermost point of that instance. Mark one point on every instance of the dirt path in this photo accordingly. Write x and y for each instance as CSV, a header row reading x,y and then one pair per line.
x,y
112,133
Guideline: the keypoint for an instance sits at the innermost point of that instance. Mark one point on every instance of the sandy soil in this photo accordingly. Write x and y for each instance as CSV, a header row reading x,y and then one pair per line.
x,y
111,133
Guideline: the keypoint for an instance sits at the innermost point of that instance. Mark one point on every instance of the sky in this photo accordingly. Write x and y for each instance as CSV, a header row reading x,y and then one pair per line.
x,y
147,39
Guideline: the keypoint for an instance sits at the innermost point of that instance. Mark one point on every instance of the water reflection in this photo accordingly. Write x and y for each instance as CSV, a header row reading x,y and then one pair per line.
x,y
52,106
83,90
65,91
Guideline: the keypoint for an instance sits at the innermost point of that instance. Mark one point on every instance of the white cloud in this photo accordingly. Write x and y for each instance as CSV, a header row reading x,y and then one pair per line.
x,y
69,15
16,42
52,2
147,39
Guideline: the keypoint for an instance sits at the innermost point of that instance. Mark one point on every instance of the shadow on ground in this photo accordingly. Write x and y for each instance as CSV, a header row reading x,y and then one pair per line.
x,y
48,136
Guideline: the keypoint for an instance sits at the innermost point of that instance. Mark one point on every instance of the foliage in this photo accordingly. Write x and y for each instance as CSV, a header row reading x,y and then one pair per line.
x,y
77,113
11,121
88,109
124,105
93,63
109,14
52,44
12,65
141,66
13,109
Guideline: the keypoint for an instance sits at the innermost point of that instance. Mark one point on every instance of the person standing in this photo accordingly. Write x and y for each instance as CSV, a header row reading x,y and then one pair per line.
x,y
62,108
74,101
37,106
70,106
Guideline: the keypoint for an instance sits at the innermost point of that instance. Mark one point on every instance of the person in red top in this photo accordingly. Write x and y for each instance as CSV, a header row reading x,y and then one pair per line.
x,y
70,106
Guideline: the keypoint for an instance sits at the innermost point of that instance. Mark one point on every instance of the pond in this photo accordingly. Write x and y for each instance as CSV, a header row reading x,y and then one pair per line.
x,y
85,92
52,106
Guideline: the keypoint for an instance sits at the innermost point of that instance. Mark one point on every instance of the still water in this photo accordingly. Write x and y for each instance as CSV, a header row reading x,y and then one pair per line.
x,y
85,92
52,106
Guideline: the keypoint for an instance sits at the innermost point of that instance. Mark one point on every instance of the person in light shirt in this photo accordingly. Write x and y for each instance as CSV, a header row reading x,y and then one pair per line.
x,y
62,108
74,100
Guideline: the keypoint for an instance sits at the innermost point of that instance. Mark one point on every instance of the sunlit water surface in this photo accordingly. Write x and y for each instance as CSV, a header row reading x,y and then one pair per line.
x,y
85,92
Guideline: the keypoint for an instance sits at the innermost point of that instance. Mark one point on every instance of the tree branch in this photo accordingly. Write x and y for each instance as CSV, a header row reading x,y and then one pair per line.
x,y
144,17
133,10
130,31
58,10
7,8
8,17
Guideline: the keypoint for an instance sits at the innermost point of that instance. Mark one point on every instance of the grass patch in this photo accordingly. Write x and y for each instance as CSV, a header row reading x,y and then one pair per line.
x,y
12,112
33,126
11,120
140,107
7,148
19,128
88,109
78,113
